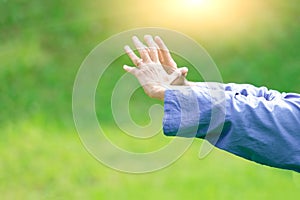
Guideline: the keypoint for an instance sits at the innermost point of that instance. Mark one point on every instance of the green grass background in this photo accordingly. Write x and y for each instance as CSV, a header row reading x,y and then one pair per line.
x,y
42,44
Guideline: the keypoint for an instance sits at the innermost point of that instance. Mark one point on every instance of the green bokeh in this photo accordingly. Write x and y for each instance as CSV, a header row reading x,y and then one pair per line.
x,y
42,45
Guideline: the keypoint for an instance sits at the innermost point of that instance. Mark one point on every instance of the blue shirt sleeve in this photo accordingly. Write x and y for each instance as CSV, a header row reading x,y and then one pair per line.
x,y
254,123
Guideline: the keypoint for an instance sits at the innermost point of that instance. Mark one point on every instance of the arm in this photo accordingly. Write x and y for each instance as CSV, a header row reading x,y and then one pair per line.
x,y
255,123
259,124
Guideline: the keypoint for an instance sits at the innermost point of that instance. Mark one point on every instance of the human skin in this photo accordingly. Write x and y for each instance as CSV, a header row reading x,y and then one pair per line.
x,y
155,68
254,123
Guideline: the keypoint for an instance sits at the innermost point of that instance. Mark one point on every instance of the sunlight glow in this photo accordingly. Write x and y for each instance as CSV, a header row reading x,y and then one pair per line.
x,y
193,6
213,15
196,2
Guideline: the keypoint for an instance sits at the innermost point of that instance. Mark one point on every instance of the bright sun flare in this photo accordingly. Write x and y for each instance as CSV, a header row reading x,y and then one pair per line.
x,y
193,5
214,15
196,2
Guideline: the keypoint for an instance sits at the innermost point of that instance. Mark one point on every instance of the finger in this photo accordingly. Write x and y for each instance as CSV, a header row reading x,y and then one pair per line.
x,y
183,71
176,73
152,46
134,58
160,57
165,53
129,69
178,77
144,53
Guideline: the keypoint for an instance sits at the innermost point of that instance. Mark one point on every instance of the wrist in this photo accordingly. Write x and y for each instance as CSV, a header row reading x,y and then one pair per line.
x,y
161,93
157,92
190,83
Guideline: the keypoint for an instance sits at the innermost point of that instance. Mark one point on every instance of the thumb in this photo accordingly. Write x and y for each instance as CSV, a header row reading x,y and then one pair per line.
x,y
129,69
183,71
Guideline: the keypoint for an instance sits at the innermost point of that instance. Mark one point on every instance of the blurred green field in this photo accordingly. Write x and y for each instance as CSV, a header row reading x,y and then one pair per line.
x,y
42,45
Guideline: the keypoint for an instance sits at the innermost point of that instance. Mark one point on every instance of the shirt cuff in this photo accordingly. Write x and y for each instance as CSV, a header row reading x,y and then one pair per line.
x,y
188,110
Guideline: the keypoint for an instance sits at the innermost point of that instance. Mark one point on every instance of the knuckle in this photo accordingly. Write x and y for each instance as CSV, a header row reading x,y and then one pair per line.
x,y
150,94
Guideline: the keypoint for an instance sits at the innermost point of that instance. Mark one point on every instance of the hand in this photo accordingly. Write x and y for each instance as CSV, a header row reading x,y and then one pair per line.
x,y
156,69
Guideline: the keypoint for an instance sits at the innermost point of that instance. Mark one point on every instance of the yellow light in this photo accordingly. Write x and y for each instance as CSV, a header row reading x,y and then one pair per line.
x,y
192,7
203,16
196,2
208,11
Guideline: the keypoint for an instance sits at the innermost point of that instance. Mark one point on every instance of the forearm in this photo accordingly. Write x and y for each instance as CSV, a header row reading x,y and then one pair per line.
x,y
257,124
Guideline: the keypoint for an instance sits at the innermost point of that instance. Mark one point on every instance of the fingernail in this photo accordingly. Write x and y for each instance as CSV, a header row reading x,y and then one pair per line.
x,y
185,69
